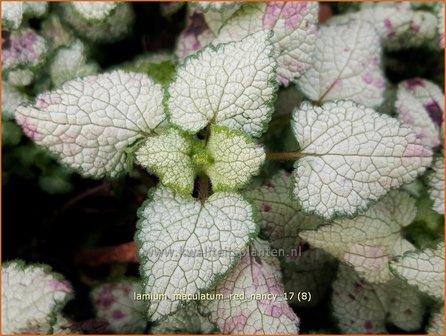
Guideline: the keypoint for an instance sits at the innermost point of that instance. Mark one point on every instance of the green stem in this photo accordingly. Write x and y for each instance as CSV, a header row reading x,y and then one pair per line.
x,y
289,156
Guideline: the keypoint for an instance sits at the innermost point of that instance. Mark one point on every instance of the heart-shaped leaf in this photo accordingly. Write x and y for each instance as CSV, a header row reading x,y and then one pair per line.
x,y
351,155
230,85
185,245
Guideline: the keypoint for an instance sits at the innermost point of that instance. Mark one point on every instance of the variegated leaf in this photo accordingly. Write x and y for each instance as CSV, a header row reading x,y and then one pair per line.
x,y
346,65
70,63
215,6
423,269
90,122
305,268
294,26
398,25
242,308
114,302
94,11
234,159
25,52
370,240
364,308
109,29
351,155
420,104
436,185
230,85
168,156
195,36
32,296
187,320
186,245
11,99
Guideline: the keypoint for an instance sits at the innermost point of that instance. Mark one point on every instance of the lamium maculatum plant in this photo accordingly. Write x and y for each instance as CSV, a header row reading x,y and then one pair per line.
x,y
288,164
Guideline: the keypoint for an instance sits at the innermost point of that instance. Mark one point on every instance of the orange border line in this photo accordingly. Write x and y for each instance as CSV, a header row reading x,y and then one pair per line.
x,y
1,154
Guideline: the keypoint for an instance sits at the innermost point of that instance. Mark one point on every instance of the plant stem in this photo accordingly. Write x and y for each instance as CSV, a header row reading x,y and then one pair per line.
x,y
93,257
284,155
103,187
203,188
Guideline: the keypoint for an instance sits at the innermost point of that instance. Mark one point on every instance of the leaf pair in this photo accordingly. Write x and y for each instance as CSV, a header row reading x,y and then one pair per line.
x,y
229,159
186,247
231,88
